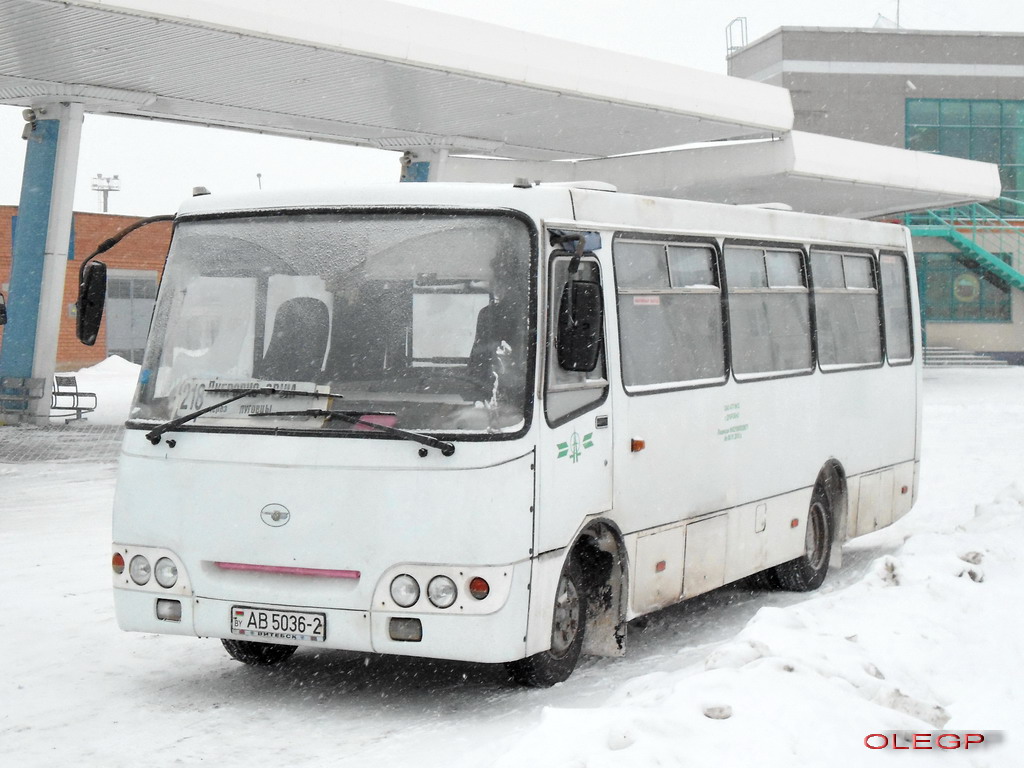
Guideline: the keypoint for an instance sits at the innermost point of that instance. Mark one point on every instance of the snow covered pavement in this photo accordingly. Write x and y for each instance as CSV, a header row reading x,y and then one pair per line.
x,y
920,631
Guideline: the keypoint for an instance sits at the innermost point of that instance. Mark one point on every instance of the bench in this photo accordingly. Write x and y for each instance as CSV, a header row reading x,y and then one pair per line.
x,y
16,396
67,398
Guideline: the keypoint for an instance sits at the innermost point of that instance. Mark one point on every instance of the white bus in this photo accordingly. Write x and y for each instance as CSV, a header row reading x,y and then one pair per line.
x,y
496,423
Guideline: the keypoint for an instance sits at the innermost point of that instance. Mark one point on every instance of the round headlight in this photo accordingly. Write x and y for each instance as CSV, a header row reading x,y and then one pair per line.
x,y
404,590
442,591
140,570
166,572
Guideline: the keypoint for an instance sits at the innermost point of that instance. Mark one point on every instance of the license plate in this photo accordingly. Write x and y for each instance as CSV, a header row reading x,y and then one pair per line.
x,y
264,624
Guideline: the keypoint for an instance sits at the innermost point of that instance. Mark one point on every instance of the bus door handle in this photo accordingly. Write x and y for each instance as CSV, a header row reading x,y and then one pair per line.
x,y
601,422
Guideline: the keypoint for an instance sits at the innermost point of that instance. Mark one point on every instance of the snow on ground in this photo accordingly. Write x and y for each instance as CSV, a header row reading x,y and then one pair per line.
x,y
920,630
113,380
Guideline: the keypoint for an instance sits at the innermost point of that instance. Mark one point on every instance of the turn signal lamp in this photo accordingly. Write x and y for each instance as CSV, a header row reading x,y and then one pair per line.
x,y
117,563
479,588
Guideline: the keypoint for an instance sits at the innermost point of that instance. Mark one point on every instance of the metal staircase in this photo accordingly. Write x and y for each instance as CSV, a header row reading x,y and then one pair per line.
x,y
980,232
992,236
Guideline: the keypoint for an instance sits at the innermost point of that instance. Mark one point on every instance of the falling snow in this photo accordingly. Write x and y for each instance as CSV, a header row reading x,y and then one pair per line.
x,y
918,631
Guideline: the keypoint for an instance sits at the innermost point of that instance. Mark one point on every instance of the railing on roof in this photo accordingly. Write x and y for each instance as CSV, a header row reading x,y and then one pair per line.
x,y
981,232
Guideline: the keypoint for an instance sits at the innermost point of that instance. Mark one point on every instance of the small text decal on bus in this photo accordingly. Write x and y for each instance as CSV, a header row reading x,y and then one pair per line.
x,y
575,447
732,431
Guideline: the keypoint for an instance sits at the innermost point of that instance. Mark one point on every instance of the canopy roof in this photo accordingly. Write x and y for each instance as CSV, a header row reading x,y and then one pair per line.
x,y
380,74
805,171
370,73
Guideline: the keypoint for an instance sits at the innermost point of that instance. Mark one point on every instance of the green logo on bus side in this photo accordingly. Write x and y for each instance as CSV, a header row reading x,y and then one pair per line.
x,y
575,447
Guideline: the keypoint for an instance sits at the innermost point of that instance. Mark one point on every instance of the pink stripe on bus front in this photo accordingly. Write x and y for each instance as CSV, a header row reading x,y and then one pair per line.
x,y
321,572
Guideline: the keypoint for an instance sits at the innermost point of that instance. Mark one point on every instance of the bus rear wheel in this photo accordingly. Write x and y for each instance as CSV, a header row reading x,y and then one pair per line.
x,y
546,668
807,572
257,654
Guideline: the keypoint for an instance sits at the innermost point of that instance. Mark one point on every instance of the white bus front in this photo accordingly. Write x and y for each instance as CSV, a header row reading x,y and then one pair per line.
x,y
331,442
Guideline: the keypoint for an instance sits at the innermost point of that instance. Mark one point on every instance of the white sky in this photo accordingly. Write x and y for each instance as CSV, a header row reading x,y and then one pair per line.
x,y
159,163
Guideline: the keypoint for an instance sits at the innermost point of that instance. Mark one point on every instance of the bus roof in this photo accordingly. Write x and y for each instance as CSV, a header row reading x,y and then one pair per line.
x,y
582,204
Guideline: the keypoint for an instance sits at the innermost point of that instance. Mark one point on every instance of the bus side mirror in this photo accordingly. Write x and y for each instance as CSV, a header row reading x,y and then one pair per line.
x,y
92,292
580,319
3,310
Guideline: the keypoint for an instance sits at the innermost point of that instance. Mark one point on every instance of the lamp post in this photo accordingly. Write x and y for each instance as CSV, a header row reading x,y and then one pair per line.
x,y
105,185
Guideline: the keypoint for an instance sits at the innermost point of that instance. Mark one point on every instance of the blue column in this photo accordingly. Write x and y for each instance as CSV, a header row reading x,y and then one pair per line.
x,y
40,253
18,345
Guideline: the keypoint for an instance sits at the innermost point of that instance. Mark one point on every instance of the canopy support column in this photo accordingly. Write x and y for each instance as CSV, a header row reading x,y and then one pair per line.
x,y
40,254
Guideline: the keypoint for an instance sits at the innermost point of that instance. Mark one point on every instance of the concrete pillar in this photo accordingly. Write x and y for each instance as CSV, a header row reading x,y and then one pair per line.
x,y
40,254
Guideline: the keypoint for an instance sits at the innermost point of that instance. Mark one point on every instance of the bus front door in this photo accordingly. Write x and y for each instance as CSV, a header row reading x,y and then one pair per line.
x,y
575,472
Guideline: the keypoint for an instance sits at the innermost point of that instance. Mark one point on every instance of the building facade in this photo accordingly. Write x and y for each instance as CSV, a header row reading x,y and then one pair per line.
x,y
134,270
951,93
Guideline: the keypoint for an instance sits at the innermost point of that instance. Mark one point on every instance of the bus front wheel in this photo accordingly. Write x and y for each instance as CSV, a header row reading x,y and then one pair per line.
x,y
546,668
807,572
257,654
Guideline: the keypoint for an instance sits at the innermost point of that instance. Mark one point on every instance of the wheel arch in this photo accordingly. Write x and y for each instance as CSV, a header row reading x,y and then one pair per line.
x,y
832,483
600,550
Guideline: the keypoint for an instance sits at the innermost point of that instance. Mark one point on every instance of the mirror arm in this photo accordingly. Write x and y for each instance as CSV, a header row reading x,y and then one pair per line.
x,y
574,263
113,240
577,257
87,332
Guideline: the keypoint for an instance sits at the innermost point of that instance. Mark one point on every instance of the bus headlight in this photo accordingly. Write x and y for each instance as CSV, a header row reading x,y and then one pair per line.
x,y
140,570
404,590
442,591
166,572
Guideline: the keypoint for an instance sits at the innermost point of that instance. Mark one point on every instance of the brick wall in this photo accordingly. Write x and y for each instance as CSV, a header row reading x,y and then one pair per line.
x,y
144,249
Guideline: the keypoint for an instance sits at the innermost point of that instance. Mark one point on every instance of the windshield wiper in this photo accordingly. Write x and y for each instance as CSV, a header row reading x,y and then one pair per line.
x,y
356,417
154,435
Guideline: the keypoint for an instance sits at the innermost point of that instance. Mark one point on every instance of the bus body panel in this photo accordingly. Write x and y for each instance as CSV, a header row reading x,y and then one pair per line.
x,y
718,486
575,476
366,519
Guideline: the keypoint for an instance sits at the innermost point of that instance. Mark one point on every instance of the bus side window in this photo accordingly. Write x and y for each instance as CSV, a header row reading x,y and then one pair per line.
x,y
846,310
570,393
896,303
670,315
769,312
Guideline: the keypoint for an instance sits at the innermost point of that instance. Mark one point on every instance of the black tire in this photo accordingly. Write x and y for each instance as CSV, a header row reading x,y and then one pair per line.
x,y
258,654
546,668
807,572
762,580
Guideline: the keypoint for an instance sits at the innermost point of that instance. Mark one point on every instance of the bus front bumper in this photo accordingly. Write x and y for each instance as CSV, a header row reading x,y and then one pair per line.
x,y
490,638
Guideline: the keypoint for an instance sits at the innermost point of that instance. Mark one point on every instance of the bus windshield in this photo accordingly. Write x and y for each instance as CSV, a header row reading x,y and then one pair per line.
x,y
419,320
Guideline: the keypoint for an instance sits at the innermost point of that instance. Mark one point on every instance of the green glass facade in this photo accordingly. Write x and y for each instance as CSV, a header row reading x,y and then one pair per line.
x,y
987,130
954,289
